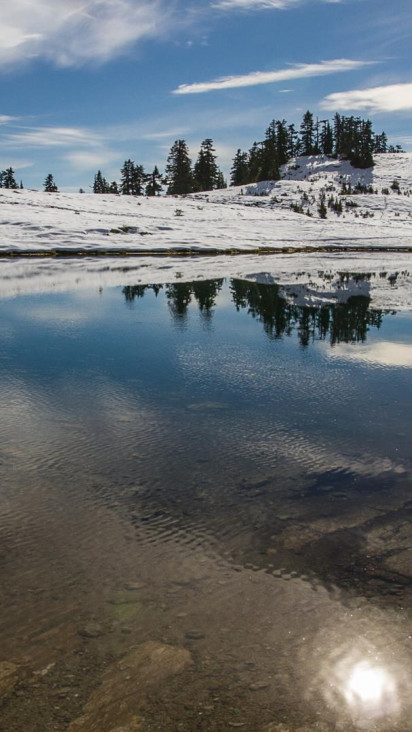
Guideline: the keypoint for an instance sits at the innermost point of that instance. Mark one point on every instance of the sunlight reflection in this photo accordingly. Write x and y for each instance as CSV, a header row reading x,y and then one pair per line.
x,y
366,684
370,691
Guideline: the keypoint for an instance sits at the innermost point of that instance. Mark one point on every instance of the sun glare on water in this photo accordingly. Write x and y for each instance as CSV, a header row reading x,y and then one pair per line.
x,y
370,691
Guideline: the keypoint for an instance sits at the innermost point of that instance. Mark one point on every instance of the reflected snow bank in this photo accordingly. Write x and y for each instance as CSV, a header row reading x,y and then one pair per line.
x,y
305,280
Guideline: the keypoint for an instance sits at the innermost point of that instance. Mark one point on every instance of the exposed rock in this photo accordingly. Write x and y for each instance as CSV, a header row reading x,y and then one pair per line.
x,y
8,677
115,705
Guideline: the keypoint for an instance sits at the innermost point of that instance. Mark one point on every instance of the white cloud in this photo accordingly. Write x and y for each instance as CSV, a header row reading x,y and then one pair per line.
x,y
392,98
52,137
297,71
86,160
72,32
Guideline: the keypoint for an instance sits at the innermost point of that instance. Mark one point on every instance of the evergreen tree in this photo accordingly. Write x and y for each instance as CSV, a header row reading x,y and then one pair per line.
x,y
282,141
154,183
21,185
362,155
381,143
269,161
220,181
113,188
307,132
293,148
9,180
205,169
326,138
239,174
126,181
179,169
100,184
255,162
49,184
138,180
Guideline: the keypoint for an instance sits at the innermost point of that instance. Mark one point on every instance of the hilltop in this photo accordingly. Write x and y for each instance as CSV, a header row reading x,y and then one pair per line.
x,y
363,208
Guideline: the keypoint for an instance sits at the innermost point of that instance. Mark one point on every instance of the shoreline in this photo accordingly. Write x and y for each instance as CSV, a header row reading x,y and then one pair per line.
x,y
204,252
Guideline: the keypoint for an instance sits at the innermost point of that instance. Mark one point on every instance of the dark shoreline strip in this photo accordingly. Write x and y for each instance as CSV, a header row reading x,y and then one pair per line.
x,y
175,252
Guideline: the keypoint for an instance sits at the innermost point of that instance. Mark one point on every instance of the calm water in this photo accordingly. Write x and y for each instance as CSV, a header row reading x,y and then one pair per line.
x,y
206,467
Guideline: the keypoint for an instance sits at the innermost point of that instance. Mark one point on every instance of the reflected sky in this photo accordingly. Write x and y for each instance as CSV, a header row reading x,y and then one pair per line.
x,y
224,427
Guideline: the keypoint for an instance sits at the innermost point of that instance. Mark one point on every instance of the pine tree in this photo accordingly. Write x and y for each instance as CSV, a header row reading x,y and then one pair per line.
x,y
255,162
138,180
9,180
179,169
220,181
282,139
239,174
100,184
154,183
126,181
113,188
205,169
326,138
293,148
49,184
381,143
21,185
269,160
307,132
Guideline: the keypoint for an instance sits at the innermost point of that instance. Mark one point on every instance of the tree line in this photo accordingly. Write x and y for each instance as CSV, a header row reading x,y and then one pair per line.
x,y
347,138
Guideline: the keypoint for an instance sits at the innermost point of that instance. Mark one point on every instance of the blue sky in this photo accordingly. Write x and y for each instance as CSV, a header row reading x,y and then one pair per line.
x,y
85,84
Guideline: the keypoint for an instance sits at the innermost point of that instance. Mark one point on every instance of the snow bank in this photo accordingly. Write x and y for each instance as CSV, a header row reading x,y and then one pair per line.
x,y
258,216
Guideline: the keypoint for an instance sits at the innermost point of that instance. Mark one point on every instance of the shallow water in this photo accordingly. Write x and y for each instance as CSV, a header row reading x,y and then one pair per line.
x,y
207,466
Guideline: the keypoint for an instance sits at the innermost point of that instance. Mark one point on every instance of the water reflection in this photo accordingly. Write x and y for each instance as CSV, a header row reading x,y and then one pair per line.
x,y
364,685
178,485
340,322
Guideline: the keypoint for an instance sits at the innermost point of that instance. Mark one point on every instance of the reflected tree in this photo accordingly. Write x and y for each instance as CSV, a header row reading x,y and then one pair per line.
x,y
343,322
337,322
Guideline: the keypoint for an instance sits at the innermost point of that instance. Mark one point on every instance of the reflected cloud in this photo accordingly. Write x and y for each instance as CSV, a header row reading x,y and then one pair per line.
x,y
385,353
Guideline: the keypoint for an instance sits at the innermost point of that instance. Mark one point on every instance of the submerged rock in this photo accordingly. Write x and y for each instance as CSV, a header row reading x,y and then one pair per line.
x,y
115,706
401,563
8,678
91,630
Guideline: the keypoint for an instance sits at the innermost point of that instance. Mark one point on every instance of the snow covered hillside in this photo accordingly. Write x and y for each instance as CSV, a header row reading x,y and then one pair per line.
x,y
370,207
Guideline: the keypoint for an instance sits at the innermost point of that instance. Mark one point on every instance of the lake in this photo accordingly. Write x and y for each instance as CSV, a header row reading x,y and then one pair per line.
x,y
205,507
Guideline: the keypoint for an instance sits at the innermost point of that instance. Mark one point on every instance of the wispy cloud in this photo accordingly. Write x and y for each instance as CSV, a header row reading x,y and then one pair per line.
x,y
83,160
392,98
297,71
52,137
255,4
5,119
73,32
262,4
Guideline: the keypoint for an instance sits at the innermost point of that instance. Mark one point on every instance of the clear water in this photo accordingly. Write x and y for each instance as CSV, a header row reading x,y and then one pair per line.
x,y
207,467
